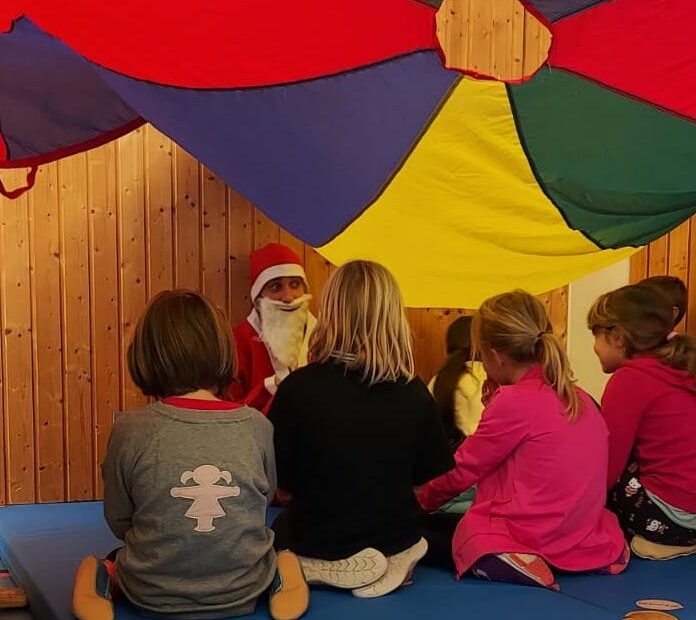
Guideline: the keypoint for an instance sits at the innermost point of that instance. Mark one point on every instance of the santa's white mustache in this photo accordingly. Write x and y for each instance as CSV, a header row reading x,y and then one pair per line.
x,y
295,304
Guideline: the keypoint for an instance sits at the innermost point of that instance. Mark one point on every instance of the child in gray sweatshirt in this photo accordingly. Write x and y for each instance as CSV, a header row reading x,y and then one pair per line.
x,y
187,482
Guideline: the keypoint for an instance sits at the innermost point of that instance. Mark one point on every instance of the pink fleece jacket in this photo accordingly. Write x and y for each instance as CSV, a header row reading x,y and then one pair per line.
x,y
650,409
541,482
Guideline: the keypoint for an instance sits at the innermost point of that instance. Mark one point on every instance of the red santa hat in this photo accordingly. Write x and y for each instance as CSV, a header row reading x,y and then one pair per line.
x,y
273,260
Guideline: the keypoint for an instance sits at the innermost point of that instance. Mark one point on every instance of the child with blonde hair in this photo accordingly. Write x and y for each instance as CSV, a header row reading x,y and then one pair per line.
x,y
187,482
649,404
538,458
355,432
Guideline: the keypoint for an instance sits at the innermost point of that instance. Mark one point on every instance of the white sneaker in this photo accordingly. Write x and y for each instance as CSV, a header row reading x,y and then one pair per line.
x,y
360,569
399,569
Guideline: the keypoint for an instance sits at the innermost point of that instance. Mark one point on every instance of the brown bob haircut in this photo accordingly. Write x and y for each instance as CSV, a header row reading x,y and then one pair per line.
x,y
182,343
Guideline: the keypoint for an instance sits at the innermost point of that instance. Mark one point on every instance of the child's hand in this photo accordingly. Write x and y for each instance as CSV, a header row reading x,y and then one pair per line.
x,y
488,391
282,498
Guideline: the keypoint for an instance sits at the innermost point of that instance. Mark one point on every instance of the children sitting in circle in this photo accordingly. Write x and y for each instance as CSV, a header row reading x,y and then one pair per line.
x,y
355,432
187,482
649,404
357,437
538,458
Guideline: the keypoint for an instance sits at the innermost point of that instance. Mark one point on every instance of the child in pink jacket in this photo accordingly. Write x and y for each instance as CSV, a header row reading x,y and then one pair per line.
x,y
538,458
649,405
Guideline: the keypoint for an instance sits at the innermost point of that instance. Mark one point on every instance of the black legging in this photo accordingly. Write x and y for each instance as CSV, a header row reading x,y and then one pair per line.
x,y
438,529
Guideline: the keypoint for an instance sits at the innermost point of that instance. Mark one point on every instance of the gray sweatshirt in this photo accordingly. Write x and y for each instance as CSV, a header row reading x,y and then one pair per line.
x,y
187,491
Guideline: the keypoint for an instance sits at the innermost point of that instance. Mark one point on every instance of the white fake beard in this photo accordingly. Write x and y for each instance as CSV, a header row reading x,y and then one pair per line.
x,y
283,327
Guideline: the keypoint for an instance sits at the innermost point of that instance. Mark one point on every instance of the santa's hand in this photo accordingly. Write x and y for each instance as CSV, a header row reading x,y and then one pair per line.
x,y
280,375
272,383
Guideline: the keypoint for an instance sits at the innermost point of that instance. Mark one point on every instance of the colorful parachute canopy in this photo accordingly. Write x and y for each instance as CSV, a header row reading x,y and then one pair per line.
x,y
351,134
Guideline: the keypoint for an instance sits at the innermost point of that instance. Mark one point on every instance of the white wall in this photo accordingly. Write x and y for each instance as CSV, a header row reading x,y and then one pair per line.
x,y
581,296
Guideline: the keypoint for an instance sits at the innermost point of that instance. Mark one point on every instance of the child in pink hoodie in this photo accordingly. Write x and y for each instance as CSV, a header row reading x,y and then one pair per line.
x,y
650,406
539,458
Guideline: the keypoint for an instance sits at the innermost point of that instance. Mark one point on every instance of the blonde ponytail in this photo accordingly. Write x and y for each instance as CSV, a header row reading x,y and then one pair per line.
x,y
516,324
559,374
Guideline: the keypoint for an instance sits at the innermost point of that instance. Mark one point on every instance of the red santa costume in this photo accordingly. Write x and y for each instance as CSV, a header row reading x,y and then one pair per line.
x,y
261,361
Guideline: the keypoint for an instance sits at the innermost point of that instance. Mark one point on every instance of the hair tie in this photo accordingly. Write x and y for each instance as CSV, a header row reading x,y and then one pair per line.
x,y
540,335
672,335
340,356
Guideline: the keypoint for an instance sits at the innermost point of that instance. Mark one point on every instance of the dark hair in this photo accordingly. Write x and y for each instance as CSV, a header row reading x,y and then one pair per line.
x,y
672,289
456,365
182,343
645,321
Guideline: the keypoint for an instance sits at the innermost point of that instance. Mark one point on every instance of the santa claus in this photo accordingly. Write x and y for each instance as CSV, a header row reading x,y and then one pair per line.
x,y
273,340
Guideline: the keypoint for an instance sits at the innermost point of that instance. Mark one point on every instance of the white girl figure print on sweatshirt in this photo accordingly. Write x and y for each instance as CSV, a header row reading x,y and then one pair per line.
x,y
206,505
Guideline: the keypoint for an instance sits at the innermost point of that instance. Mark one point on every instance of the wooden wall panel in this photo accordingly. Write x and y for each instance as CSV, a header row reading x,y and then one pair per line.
x,y
158,210
214,239
47,334
18,397
77,363
187,215
102,232
130,175
104,296
674,255
240,241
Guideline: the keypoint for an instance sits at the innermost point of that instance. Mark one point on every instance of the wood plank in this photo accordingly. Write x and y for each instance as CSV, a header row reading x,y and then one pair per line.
x,y
131,251
214,239
517,46
45,259
8,180
18,405
678,258
158,211
428,348
187,221
480,38
638,266
537,40
318,270
104,268
240,242
265,230
77,371
453,20
293,243
558,313
691,282
503,39
658,257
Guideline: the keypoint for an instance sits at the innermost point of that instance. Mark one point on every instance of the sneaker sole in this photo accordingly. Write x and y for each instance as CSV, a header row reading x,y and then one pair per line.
x,y
393,580
356,571
291,601
643,554
88,603
550,582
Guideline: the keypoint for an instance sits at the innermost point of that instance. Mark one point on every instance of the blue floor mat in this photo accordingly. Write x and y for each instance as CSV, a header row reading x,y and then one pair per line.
x,y
42,545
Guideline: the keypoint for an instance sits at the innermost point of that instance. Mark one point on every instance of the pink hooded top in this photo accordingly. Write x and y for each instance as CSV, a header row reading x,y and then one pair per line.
x,y
650,409
541,482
